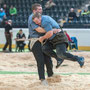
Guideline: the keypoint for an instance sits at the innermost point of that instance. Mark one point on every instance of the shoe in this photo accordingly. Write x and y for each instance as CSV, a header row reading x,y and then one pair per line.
x,y
59,62
44,82
4,50
81,61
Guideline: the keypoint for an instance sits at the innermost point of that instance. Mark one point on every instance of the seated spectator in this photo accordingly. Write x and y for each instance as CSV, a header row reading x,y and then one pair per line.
x,y
85,12
78,13
6,9
69,39
20,38
12,10
49,4
2,14
72,16
61,22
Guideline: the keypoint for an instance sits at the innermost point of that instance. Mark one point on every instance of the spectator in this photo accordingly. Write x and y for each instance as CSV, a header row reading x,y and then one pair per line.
x,y
6,9
8,35
78,13
12,10
72,16
49,4
85,12
20,38
69,39
2,14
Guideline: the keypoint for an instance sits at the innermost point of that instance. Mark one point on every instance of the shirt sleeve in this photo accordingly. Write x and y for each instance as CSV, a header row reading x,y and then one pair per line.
x,y
47,27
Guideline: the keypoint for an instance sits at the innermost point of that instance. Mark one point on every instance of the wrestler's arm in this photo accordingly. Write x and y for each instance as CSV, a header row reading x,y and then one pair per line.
x,y
49,32
40,30
46,36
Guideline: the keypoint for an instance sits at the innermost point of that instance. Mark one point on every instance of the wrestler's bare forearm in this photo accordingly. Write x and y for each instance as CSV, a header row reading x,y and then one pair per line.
x,y
46,36
40,30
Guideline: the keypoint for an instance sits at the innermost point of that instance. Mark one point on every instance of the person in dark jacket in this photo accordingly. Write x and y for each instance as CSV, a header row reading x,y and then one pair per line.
x,y
72,17
8,36
6,9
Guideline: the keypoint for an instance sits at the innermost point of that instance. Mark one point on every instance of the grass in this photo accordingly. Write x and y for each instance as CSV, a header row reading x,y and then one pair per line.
x,y
26,50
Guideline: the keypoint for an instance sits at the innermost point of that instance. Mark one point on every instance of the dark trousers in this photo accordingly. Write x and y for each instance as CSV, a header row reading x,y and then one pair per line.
x,y
42,60
48,49
8,42
61,53
20,46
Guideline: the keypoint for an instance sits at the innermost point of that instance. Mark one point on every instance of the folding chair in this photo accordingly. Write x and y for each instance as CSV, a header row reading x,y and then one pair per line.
x,y
74,43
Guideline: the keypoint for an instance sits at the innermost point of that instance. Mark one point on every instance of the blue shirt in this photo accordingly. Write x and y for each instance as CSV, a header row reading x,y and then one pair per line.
x,y
2,14
48,24
32,26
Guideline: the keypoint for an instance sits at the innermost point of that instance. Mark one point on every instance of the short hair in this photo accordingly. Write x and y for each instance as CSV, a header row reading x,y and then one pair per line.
x,y
36,15
34,6
20,30
1,9
10,21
